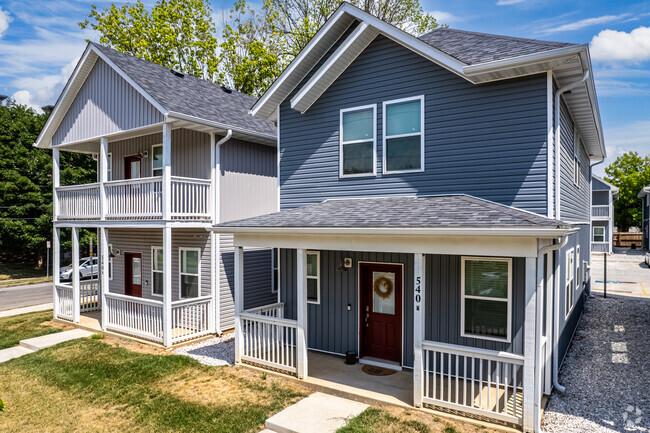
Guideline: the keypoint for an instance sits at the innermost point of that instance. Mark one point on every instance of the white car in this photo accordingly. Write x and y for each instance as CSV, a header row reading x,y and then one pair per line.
x,y
647,258
88,268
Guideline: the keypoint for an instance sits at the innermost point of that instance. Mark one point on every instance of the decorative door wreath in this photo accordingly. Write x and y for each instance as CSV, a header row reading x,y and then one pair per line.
x,y
383,287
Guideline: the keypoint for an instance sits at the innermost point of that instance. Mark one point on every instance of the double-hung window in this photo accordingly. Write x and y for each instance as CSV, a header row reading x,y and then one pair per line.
x,y
275,269
313,277
109,167
157,160
190,277
598,234
576,171
578,275
358,144
486,294
403,146
569,281
157,277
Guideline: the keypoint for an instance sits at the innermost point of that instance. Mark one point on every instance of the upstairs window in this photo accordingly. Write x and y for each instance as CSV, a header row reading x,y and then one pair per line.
x,y
157,160
358,145
403,136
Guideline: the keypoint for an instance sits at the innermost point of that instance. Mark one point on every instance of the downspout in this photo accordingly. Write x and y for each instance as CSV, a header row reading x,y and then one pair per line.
x,y
556,323
557,137
217,219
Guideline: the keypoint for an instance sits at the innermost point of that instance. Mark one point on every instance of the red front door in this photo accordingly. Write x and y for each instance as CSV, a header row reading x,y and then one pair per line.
x,y
381,311
133,274
132,167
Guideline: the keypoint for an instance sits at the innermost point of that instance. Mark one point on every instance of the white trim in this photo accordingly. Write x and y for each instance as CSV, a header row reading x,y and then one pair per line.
x,y
569,256
221,126
374,140
160,271
421,134
593,233
153,159
508,300
181,273
577,275
317,277
550,143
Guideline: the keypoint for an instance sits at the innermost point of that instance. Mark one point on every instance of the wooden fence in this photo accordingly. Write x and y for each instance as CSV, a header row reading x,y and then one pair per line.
x,y
626,239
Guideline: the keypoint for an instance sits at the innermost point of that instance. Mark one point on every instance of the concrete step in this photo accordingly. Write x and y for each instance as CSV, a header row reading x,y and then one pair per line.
x,y
318,413
13,352
44,341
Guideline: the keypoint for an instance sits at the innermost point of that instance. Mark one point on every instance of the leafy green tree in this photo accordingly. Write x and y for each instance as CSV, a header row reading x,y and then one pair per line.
x,y
178,34
629,173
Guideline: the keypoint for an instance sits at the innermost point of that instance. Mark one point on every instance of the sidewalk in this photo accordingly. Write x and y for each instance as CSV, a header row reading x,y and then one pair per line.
x,y
23,310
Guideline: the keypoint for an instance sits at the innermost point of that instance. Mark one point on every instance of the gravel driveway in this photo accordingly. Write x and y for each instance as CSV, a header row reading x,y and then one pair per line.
x,y
606,371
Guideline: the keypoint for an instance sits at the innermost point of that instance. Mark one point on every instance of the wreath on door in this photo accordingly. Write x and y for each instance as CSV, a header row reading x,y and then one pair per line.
x,y
383,287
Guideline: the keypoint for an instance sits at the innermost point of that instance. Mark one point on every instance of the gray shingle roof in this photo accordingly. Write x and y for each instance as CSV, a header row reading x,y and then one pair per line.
x,y
472,48
401,212
190,95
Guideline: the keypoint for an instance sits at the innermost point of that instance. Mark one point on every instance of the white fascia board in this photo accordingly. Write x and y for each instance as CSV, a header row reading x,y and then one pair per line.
x,y
644,191
172,115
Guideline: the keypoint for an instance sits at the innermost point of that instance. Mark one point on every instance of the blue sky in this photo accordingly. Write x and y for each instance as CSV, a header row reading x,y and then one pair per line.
x,y
40,44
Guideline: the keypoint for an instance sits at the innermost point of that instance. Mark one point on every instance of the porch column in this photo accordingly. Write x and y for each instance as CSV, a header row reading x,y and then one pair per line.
x,y
301,330
56,260
239,300
530,350
215,314
549,323
540,275
167,172
167,286
56,183
76,295
418,326
104,273
103,177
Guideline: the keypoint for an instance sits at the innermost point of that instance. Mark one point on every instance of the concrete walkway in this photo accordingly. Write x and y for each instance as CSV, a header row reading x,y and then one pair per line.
x,y
23,310
31,345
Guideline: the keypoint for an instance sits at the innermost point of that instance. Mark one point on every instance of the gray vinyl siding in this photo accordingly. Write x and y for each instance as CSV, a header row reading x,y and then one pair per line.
x,y
599,198
597,185
249,185
141,241
106,103
487,140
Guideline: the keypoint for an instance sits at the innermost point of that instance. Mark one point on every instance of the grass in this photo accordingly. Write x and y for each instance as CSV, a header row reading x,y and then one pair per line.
x,y
376,420
13,271
16,328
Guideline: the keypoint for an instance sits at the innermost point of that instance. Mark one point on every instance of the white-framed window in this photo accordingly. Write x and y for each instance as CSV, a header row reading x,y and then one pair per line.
x,y
576,171
275,270
486,297
313,277
157,276
358,141
110,262
157,160
109,167
403,135
598,234
578,275
569,282
189,272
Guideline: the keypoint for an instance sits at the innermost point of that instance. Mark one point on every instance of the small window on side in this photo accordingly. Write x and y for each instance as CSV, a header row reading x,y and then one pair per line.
x,y
157,160
157,276
313,277
190,277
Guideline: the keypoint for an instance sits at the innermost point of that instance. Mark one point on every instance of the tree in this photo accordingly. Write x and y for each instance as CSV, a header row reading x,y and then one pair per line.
x,y
629,173
178,34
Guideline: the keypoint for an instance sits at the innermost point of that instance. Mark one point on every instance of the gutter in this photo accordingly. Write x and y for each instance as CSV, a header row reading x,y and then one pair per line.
x,y
223,126
556,323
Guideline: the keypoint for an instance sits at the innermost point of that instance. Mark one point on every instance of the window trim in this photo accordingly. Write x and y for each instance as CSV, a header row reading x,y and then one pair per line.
x,y
317,278
180,274
275,267
413,134
109,168
570,253
508,300
153,159
593,233
153,256
578,276
374,141
576,171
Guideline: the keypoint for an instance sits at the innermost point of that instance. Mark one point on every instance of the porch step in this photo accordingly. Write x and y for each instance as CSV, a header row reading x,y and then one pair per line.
x,y
44,341
13,352
318,413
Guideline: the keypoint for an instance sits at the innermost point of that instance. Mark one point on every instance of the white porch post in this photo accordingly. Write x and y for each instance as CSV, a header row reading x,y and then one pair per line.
x,y
419,266
549,323
530,350
56,183
239,300
104,273
214,313
167,172
167,286
301,330
76,295
103,177
56,259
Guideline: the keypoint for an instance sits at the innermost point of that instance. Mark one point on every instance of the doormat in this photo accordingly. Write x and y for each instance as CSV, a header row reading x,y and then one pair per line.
x,y
377,371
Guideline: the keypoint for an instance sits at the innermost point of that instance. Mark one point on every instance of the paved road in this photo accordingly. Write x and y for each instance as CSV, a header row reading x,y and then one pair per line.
x,y
23,296
626,275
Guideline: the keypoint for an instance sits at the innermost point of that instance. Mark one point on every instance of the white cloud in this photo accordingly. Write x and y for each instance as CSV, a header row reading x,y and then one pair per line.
x,y
509,2
23,97
5,19
613,46
44,89
588,22
443,17
620,88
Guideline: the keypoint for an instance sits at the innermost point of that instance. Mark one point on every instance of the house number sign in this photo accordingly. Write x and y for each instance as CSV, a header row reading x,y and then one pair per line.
x,y
418,291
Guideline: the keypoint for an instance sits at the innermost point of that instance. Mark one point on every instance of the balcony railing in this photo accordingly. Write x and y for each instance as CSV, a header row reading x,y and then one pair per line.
x,y
601,211
136,199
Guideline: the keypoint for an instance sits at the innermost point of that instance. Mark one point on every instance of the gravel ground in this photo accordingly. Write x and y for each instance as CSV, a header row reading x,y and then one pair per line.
x,y
215,351
606,371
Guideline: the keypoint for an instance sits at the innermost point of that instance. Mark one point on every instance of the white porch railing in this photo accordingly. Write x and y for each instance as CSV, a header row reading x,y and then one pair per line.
x,y
190,318
79,201
135,316
190,198
134,198
600,211
89,295
268,339
65,302
477,381
600,247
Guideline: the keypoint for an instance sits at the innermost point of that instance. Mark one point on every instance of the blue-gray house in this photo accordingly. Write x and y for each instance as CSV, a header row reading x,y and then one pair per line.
x,y
644,195
434,214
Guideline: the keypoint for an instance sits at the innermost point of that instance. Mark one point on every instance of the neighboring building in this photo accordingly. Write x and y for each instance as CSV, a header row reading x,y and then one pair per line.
x,y
176,154
603,195
431,220
644,195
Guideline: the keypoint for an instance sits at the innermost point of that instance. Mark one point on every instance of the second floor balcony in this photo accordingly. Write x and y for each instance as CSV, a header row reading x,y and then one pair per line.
x,y
600,212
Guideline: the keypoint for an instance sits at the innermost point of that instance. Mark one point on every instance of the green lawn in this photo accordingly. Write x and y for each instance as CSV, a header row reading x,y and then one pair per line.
x,y
376,420
16,328
11,271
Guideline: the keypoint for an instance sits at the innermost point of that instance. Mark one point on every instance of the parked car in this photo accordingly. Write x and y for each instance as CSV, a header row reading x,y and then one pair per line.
x,y
88,268
647,258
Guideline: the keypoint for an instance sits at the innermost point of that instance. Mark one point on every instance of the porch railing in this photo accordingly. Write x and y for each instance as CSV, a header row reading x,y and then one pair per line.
x,y
269,339
134,198
190,198
64,301
600,247
190,318
89,295
79,201
477,381
135,316
600,211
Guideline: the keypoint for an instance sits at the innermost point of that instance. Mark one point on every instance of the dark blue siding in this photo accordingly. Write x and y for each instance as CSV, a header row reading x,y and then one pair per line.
x,y
487,140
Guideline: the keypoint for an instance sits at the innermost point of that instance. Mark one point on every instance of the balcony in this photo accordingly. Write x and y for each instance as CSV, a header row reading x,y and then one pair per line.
x,y
136,199
600,212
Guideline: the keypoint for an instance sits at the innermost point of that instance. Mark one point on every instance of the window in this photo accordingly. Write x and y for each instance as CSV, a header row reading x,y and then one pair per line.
x,y
190,278
598,234
110,262
157,160
403,137
569,282
486,288
313,277
576,171
358,145
157,276
275,269
578,276
109,167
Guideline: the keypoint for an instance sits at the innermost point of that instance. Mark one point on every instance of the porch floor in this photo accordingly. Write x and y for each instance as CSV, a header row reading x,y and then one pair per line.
x,y
91,320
